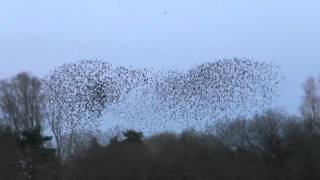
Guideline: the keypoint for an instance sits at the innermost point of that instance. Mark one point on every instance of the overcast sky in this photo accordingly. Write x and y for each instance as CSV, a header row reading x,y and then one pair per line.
x,y
37,35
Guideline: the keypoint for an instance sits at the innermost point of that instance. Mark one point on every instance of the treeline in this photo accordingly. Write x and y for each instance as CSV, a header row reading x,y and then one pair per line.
x,y
269,146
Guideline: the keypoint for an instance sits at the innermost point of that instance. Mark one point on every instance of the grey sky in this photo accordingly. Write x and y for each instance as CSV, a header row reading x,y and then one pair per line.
x,y
37,35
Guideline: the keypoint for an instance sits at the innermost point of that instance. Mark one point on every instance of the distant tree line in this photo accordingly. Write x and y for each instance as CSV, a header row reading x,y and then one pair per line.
x,y
69,102
268,146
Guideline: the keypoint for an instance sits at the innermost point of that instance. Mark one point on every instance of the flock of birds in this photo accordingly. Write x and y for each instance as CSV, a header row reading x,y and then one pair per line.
x,y
161,100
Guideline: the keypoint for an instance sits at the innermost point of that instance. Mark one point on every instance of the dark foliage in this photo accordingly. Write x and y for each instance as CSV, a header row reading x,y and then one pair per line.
x,y
25,157
269,146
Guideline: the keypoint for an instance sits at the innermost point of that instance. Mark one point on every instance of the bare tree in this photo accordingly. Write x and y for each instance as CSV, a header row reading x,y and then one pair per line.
x,y
22,102
54,113
310,107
